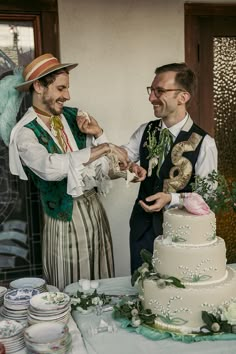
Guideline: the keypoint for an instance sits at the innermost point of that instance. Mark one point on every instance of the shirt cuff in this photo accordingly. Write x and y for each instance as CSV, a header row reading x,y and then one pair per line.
x,y
175,201
101,139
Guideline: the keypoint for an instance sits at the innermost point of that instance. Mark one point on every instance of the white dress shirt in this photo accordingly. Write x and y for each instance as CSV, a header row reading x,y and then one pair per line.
x,y
24,148
206,161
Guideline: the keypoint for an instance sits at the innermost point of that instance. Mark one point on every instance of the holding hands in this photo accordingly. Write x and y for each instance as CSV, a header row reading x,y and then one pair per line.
x,y
120,160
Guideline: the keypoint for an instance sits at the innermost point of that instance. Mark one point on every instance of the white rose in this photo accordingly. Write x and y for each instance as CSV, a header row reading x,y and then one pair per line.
x,y
144,268
134,312
229,314
95,300
75,301
135,321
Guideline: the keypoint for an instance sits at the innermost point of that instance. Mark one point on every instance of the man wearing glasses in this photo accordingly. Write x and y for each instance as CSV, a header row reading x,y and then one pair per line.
x,y
172,149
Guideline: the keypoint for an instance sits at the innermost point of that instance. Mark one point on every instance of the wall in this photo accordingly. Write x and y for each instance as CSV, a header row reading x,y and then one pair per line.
x,y
118,45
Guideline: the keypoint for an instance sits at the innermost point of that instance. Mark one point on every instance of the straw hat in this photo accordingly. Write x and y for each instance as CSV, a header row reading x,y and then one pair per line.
x,y
39,67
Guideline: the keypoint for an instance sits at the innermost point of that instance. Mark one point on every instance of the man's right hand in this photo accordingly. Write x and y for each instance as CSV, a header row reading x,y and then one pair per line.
x,y
121,154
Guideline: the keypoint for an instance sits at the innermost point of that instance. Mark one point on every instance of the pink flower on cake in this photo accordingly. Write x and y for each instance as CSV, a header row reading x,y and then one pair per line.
x,y
195,204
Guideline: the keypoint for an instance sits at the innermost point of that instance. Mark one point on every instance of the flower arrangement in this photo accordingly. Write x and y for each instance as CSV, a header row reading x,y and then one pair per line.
x,y
219,194
146,271
82,301
133,311
157,150
222,321
151,143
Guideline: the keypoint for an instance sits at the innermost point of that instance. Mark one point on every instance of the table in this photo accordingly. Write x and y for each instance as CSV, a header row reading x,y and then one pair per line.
x,y
123,342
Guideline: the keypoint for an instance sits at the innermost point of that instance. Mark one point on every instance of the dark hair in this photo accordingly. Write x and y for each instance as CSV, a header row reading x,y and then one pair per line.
x,y
50,78
185,77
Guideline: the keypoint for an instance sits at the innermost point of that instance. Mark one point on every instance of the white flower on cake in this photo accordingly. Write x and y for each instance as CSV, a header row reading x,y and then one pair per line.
x,y
229,314
135,321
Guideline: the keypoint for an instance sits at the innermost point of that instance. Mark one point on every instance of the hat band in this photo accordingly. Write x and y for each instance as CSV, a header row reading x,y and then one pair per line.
x,y
41,69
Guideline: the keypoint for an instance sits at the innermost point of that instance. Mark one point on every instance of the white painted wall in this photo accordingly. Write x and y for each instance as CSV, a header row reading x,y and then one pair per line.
x,y
118,44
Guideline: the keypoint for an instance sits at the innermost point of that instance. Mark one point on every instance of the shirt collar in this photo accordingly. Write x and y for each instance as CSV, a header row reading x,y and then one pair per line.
x,y
176,128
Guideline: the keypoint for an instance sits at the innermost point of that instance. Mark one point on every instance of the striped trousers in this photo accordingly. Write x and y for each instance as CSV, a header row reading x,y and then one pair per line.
x,y
81,248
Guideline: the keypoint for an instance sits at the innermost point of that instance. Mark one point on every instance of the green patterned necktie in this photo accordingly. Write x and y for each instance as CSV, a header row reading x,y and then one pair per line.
x,y
165,142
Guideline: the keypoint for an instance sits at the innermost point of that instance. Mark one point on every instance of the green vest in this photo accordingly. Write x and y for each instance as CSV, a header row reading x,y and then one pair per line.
x,y
55,200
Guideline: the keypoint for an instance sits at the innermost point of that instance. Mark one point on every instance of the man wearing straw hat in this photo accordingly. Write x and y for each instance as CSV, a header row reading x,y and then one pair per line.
x,y
64,151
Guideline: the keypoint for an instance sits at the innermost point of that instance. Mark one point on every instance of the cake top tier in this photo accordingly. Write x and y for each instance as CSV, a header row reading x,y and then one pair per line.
x,y
181,227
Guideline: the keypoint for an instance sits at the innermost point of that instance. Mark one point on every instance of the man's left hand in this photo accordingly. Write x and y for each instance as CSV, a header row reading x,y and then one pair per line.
x,y
160,201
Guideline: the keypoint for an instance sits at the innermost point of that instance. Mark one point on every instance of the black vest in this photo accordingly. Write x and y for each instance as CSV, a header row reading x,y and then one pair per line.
x,y
141,220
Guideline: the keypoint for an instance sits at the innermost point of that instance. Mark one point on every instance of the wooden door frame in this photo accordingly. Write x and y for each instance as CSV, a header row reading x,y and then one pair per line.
x,y
193,15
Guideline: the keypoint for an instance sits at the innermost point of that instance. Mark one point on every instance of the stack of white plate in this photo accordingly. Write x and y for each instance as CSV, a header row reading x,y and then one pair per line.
x,y
12,335
35,283
3,291
49,306
48,337
16,303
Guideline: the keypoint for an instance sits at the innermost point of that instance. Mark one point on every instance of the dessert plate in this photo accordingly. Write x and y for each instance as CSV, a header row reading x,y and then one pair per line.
x,y
50,301
28,283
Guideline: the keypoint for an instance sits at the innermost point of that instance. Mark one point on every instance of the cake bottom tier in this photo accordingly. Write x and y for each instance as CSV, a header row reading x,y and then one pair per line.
x,y
180,309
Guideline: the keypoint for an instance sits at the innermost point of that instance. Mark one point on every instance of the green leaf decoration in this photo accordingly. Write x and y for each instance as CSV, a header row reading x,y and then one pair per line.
x,y
178,321
176,282
209,319
226,327
135,277
147,257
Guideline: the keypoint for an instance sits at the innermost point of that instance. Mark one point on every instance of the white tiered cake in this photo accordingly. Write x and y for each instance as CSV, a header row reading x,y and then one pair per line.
x,y
190,251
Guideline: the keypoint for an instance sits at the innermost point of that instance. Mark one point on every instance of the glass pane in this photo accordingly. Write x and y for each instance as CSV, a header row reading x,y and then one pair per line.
x,y
20,244
224,75
16,44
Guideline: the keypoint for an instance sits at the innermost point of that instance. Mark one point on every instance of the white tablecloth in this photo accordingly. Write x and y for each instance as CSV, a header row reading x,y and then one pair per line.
x,y
123,342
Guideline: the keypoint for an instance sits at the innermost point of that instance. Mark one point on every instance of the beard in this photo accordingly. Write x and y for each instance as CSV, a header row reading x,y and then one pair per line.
x,y
49,104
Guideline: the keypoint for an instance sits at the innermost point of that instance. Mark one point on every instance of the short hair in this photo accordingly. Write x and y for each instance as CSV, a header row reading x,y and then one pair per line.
x,y
185,77
50,78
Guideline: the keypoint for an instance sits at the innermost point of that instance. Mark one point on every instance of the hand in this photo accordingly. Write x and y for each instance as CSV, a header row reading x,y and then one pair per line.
x,y
121,154
160,200
139,171
88,125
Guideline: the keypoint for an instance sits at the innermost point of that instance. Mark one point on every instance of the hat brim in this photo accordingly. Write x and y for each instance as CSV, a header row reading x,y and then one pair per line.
x,y
26,85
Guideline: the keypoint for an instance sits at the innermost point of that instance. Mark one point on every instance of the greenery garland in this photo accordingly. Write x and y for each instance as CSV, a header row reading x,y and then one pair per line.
x,y
84,301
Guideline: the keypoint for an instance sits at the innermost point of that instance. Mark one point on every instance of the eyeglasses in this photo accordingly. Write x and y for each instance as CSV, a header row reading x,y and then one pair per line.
x,y
158,91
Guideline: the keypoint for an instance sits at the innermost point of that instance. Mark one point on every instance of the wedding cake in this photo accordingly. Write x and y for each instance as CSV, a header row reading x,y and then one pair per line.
x,y
190,251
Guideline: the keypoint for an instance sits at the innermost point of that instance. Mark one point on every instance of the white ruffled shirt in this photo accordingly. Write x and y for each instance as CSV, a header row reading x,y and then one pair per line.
x,y
24,149
206,161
